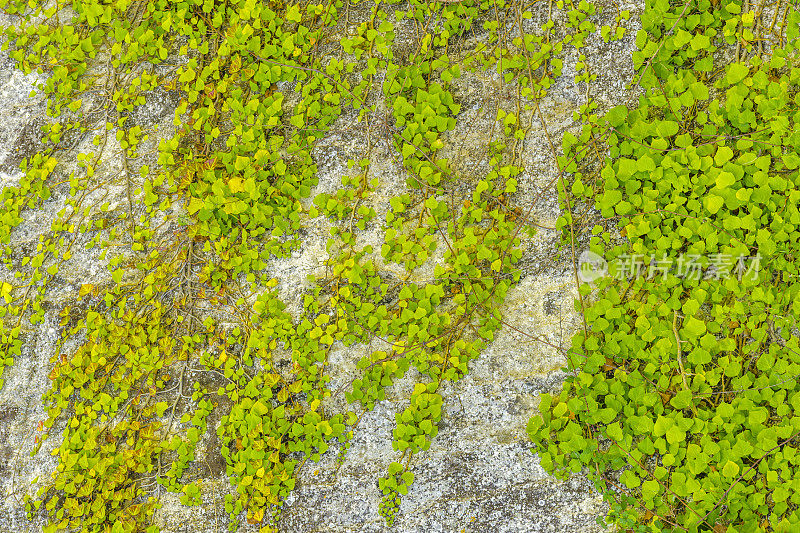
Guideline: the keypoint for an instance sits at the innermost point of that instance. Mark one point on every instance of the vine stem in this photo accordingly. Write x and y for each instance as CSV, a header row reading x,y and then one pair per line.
x,y
172,417
739,41
722,498
678,342
650,61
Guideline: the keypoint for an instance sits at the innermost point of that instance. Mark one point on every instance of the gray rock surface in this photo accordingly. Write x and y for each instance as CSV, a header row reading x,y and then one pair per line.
x,y
479,474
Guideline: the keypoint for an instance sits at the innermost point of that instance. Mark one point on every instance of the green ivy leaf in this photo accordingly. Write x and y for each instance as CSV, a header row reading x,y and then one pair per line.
x,y
714,203
736,73
617,116
195,204
694,327
730,470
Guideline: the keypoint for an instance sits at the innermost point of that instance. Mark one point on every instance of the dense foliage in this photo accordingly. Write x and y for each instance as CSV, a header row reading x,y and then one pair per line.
x,y
682,403
188,218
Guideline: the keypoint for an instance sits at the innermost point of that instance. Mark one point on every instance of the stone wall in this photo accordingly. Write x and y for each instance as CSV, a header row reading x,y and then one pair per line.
x,y
479,474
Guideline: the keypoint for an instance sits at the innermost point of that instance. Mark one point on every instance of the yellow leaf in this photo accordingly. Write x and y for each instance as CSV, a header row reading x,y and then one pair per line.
x,y
236,185
5,291
258,515
293,14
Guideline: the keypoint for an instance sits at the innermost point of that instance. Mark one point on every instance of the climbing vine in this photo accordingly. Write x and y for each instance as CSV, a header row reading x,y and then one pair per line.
x,y
682,395
189,214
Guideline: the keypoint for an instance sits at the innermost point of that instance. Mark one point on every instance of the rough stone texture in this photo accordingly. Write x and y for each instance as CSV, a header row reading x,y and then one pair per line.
x,y
479,474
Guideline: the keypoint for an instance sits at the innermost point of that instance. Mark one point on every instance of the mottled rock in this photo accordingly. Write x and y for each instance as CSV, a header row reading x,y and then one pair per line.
x,y
479,474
